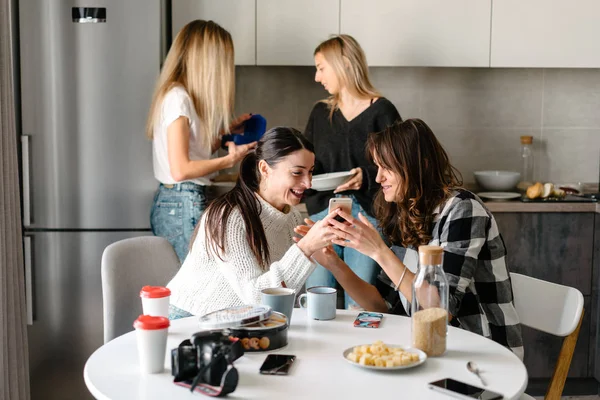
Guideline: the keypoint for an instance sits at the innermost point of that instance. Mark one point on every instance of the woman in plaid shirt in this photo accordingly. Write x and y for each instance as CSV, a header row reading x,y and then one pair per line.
x,y
421,202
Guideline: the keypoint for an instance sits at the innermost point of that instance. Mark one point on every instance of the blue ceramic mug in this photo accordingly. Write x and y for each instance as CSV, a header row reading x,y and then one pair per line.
x,y
280,300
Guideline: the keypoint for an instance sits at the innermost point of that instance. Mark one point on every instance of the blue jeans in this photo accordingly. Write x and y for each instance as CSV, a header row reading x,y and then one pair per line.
x,y
362,265
175,212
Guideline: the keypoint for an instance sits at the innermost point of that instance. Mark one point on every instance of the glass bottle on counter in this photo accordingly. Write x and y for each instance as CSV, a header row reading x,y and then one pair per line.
x,y
526,162
429,306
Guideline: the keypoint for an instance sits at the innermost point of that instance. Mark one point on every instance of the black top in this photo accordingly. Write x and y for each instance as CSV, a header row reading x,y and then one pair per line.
x,y
340,146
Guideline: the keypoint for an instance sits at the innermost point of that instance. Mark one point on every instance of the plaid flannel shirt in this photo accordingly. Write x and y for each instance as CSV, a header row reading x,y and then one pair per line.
x,y
481,298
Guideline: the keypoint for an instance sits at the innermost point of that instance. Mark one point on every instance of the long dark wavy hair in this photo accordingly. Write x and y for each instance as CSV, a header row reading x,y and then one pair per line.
x,y
275,145
426,178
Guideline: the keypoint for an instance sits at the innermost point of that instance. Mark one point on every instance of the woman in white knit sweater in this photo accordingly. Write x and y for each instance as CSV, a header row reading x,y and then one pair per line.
x,y
244,241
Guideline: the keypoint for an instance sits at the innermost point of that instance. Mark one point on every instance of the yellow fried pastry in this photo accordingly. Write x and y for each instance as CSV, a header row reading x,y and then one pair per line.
x,y
254,343
535,191
264,342
246,343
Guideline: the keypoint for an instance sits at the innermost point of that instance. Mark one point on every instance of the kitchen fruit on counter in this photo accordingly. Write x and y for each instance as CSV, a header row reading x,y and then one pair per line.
x,y
555,192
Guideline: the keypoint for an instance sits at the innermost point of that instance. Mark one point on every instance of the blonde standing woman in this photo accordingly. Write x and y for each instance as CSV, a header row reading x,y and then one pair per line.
x,y
338,127
191,109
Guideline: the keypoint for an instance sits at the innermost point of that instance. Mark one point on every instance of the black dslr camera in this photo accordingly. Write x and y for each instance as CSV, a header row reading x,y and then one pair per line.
x,y
205,362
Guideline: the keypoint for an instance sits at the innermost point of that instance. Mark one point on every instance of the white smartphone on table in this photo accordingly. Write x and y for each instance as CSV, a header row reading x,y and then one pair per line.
x,y
345,203
461,390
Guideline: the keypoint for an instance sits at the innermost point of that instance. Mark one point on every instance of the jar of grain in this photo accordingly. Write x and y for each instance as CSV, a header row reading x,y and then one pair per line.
x,y
429,306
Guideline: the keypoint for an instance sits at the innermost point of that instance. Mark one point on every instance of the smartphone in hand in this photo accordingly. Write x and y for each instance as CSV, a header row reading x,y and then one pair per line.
x,y
366,319
345,203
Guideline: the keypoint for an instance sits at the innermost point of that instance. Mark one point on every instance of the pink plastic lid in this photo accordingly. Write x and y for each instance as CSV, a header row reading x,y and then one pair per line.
x,y
154,292
150,323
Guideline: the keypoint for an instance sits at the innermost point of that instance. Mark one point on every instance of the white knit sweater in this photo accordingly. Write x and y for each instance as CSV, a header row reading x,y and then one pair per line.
x,y
205,283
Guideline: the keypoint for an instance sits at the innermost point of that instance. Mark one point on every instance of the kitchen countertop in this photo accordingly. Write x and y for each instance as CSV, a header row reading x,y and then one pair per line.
x,y
518,206
515,206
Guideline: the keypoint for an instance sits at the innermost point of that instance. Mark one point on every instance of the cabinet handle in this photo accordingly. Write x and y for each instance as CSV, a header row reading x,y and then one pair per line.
x,y
165,29
28,282
26,182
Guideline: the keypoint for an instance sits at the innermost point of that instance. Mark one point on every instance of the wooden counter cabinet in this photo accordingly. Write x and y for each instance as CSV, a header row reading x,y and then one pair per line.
x,y
557,247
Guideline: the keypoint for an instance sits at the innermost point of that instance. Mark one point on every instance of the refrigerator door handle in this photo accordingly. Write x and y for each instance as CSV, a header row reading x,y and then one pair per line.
x,y
165,30
28,278
26,182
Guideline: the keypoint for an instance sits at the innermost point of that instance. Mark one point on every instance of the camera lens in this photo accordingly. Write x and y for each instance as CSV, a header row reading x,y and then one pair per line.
x,y
184,362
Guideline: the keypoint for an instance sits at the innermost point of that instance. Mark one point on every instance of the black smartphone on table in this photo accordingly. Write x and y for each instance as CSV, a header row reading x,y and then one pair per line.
x,y
277,364
463,390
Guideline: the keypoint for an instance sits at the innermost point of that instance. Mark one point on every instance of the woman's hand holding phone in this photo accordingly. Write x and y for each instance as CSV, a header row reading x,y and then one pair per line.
x,y
358,234
317,236
302,230
327,256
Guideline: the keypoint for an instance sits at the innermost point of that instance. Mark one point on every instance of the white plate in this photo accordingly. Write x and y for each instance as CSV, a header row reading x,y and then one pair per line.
x,y
499,195
422,358
330,181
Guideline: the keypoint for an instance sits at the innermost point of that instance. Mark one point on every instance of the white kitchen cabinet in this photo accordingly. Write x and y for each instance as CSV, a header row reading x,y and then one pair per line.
x,y
436,33
542,33
238,17
288,31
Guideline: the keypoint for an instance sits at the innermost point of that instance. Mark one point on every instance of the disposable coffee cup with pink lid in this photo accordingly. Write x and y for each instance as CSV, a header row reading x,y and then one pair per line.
x,y
151,337
155,301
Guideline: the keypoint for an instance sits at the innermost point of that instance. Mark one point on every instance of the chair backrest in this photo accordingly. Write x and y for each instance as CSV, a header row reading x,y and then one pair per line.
x,y
554,309
127,266
546,306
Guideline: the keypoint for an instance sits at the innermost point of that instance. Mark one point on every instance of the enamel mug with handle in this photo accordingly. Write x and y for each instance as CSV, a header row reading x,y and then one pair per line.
x,y
320,302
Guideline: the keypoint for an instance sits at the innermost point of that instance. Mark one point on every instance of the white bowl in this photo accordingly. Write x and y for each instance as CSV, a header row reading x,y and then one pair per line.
x,y
330,181
500,181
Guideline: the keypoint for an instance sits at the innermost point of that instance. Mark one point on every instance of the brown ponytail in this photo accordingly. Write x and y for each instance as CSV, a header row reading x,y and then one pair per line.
x,y
276,144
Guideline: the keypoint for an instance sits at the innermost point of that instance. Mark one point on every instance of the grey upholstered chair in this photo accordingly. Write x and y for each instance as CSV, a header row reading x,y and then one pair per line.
x,y
127,266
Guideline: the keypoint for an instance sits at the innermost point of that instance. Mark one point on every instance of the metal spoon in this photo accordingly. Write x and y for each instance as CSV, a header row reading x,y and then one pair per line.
x,y
472,367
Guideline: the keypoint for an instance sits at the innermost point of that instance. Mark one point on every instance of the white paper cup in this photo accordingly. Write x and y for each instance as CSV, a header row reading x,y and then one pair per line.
x,y
155,301
151,335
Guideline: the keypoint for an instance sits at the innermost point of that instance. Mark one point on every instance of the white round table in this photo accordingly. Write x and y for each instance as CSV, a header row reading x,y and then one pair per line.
x,y
320,371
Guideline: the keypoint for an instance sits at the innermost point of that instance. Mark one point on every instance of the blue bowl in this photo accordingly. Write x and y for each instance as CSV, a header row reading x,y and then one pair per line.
x,y
254,129
256,126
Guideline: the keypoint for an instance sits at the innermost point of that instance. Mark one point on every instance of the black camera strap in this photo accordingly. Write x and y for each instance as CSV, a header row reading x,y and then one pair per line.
x,y
202,370
228,384
185,360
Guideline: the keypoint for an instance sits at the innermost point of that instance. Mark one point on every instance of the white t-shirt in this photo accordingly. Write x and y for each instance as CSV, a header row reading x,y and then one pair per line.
x,y
177,103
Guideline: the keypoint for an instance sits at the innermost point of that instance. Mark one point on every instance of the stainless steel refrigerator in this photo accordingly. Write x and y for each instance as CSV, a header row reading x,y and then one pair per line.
x,y
87,71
